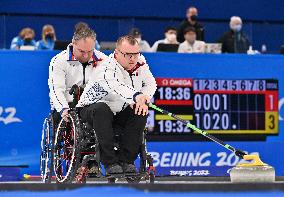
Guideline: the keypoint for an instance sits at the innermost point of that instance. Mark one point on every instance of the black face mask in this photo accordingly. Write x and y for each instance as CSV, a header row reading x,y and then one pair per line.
x,y
27,40
193,17
49,36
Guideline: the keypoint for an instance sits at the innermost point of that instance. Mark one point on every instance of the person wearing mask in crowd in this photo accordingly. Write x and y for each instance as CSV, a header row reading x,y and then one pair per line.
x,y
234,40
191,45
84,25
48,38
170,38
143,44
191,21
25,40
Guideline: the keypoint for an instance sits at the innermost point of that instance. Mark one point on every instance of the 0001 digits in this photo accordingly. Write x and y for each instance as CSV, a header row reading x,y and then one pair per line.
x,y
214,102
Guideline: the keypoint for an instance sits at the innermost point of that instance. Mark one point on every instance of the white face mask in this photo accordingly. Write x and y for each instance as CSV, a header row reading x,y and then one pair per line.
x,y
236,28
171,37
138,40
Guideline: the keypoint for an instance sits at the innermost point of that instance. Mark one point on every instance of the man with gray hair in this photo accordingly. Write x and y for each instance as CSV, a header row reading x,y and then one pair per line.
x,y
72,66
234,41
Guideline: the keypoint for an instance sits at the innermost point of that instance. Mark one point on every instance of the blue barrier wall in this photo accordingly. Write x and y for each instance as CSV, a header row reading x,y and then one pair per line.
x,y
218,9
112,18
24,103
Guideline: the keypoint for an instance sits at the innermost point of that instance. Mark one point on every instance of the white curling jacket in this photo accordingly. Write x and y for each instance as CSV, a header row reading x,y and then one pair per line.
x,y
112,84
64,72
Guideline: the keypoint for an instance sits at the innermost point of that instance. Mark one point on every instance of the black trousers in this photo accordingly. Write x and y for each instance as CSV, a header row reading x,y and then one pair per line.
x,y
129,125
56,119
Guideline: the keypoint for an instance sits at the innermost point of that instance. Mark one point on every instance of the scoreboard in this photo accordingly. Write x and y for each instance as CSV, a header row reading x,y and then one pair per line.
x,y
225,107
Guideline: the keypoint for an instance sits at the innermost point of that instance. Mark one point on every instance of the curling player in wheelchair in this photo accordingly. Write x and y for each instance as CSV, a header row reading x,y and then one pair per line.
x,y
72,66
114,100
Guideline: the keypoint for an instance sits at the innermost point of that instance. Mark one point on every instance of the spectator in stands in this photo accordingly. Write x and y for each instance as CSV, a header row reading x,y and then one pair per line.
x,y
191,45
143,44
234,40
48,38
170,38
80,25
25,38
191,21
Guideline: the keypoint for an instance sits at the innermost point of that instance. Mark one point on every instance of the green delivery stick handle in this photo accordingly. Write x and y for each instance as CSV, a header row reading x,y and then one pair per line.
x,y
238,153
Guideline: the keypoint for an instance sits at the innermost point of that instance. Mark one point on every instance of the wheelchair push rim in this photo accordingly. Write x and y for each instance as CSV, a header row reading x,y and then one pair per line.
x,y
46,150
65,145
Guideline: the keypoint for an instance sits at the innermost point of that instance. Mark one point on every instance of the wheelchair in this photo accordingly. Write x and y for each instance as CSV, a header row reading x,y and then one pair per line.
x,y
67,149
46,156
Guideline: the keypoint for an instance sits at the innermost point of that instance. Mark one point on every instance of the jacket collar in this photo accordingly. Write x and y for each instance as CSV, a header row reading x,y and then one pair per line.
x,y
72,60
136,67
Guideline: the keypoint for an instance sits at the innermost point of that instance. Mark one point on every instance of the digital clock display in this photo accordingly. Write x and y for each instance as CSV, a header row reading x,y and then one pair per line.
x,y
248,106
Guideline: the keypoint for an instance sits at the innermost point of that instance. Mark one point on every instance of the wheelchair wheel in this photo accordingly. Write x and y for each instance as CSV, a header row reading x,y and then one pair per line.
x,y
65,145
46,156
151,171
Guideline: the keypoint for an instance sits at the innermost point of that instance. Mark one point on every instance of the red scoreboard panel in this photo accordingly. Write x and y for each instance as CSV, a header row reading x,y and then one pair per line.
x,y
225,107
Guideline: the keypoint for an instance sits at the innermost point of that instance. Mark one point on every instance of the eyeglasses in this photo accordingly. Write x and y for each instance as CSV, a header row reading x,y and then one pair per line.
x,y
130,55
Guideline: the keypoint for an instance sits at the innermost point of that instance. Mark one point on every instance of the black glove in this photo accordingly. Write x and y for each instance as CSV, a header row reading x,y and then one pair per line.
x,y
76,91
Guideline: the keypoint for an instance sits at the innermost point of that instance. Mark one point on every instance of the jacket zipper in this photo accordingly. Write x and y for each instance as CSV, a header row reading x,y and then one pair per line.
x,y
130,75
132,86
84,74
